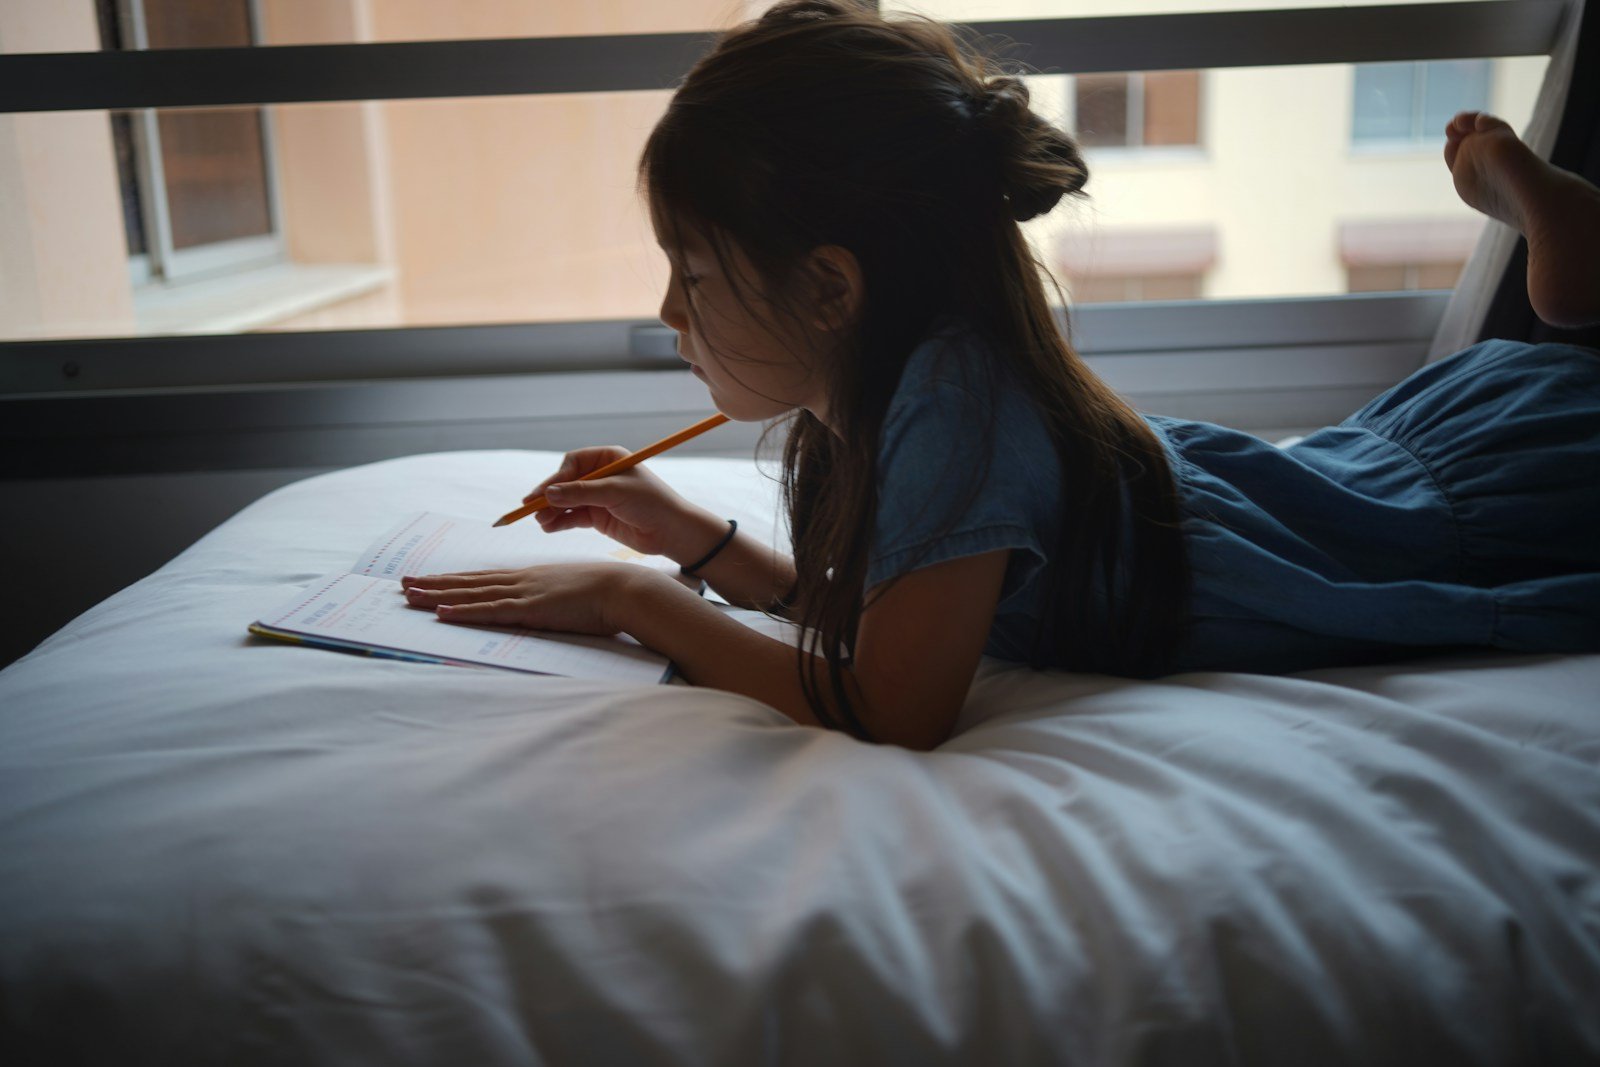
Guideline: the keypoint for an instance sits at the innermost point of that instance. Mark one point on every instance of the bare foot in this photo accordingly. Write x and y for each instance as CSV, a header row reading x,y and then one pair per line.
x,y
1557,211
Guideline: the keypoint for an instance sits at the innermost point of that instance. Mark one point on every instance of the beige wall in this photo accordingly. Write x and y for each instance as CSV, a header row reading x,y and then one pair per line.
x,y
63,257
490,209
520,208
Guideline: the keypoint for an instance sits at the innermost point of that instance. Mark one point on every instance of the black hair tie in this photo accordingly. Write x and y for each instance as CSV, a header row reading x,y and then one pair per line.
x,y
689,571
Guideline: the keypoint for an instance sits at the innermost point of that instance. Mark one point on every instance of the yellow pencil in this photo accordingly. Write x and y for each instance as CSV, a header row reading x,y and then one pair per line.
x,y
632,459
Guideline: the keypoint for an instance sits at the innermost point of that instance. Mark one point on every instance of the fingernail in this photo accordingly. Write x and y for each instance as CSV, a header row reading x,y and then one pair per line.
x,y
556,492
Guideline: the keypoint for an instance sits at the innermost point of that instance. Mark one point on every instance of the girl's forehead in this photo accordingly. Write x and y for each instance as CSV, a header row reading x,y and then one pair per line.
x,y
670,230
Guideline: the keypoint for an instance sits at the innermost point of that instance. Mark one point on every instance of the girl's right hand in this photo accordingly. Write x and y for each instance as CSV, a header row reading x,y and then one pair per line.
x,y
633,507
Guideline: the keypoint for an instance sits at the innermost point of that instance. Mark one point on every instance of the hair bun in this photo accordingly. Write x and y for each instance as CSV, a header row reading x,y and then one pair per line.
x,y
807,11
1039,163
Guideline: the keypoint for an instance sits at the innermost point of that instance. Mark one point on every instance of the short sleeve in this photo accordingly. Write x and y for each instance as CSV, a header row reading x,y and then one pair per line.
x,y
965,467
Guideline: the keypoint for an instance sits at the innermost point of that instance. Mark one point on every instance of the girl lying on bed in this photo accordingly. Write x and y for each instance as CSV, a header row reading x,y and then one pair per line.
x,y
839,197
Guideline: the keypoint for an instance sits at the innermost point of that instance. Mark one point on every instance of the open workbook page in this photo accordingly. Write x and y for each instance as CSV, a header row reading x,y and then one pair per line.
x,y
364,610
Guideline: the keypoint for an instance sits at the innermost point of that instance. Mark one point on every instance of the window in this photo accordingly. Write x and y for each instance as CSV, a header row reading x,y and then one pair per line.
x,y
1404,254
1120,288
501,194
1137,110
1404,276
197,184
1412,102
1119,265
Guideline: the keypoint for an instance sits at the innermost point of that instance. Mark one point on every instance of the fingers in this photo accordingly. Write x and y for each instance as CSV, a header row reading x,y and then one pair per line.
x,y
460,595
554,520
600,493
575,465
507,612
453,581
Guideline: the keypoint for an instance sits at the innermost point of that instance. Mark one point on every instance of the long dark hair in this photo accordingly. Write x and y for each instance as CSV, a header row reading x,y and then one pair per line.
x,y
822,123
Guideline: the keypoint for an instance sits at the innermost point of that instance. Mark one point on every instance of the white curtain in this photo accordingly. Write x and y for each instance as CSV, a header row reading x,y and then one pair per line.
x,y
1464,315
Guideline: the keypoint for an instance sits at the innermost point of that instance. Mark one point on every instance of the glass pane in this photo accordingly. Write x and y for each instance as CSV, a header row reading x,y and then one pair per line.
x,y
196,23
1102,109
1384,102
524,209
216,175
1259,211
1449,86
1172,107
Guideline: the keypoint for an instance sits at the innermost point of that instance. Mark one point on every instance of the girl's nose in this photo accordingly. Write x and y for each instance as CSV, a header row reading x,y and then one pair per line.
x,y
674,311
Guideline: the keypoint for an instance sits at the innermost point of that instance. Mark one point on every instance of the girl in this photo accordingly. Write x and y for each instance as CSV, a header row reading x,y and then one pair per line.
x,y
839,196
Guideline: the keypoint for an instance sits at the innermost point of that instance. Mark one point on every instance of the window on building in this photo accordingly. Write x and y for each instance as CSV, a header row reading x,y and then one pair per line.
x,y
1136,110
1122,288
196,183
1116,265
1404,276
1400,254
1415,101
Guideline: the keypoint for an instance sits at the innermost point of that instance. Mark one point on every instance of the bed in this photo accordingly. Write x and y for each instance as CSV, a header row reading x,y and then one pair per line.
x,y
218,849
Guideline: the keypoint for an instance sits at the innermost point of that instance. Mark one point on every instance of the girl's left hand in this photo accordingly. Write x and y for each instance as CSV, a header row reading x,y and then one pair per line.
x,y
581,598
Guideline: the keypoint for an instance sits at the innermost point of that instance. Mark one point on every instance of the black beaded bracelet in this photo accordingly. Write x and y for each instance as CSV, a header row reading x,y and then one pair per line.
x,y
689,571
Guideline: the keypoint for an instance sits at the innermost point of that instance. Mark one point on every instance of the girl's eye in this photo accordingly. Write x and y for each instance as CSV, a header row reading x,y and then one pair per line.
x,y
691,279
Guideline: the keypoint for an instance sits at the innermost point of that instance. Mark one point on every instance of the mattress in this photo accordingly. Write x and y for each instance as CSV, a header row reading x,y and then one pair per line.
x,y
215,848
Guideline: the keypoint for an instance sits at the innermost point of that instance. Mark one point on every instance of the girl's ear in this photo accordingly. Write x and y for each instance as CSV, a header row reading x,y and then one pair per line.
x,y
837,287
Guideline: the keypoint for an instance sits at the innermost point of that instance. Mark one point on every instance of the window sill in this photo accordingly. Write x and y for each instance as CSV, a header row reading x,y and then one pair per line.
x,y
251,299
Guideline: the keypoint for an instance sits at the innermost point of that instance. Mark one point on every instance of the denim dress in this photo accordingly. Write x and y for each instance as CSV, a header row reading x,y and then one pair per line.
x,y
1459,508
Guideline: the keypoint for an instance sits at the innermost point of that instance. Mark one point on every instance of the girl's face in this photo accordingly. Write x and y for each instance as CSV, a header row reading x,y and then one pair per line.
x,y
756,365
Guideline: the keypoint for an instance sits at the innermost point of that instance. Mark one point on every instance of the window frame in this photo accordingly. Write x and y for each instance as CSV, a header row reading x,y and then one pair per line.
x,y
162,263
151,381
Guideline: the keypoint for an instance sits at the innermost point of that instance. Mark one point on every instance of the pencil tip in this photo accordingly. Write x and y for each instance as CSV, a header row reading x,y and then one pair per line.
x,y
500,522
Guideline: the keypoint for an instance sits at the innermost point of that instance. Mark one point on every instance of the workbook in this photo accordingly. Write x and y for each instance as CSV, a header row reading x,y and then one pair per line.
x,y
364,610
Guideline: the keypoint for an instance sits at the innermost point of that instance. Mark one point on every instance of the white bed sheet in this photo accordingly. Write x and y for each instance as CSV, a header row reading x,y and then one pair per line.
x,y
220,849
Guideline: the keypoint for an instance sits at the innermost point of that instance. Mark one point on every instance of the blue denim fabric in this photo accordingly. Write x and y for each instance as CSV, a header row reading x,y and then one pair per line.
x,y
932,474
1460,508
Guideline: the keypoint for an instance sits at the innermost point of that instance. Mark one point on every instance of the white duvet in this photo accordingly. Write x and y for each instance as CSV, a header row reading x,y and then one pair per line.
x,y
220,850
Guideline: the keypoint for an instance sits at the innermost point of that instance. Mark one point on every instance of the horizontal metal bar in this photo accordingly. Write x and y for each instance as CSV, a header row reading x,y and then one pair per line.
x,y
99,365
413,69
1296,37
1298,321
208,77
119,363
